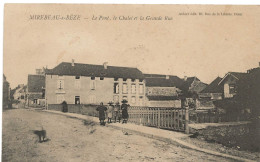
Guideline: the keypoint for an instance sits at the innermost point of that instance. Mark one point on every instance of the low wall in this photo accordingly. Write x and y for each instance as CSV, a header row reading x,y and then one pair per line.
x,y
241,135
79,109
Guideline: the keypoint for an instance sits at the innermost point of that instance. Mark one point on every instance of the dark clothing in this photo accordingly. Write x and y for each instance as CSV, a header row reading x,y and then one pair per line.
x,y
101,110
64,106
124,111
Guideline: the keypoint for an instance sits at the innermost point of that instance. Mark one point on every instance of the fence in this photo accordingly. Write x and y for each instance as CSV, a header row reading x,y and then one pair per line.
x,y
167,118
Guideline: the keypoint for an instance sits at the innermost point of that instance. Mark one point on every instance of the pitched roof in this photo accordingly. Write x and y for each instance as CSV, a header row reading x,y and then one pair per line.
x,y
188,82
236,75
66,68
36,83
213,87
157,80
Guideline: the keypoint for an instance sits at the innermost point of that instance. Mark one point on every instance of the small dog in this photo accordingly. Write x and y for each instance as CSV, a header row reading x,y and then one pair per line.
x,y
41,134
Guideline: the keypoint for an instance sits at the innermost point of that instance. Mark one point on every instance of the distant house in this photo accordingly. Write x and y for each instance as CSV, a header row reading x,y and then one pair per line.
x,y
20,93
193,85
213,91
36,89
163,90
78,83
249,91
230,83
6,92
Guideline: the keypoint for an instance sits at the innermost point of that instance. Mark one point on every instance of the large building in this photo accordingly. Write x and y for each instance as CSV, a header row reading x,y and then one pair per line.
x,y
78,83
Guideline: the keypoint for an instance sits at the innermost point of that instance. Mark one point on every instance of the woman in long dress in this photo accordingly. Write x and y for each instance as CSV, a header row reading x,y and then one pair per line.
x,y
101,109
124,107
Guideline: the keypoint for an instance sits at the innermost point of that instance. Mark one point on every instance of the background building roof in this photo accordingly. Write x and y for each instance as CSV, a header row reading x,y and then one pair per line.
x,y
213,87
66,68
157,80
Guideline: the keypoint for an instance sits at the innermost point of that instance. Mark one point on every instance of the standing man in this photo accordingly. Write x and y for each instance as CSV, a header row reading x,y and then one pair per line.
x,y
124,107
101,109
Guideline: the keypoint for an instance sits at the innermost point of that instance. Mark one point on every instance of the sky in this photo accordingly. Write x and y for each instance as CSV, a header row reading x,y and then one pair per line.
x,y
205,46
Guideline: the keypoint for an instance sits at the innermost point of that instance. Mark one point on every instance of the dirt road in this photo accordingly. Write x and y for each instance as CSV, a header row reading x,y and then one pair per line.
x,y
71,139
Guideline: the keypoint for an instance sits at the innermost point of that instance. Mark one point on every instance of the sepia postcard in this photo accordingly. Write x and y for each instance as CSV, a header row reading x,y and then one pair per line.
x,y
131,82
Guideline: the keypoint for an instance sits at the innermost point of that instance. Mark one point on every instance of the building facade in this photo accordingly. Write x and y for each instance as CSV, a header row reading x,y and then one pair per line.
x,y
20,93
163,90
6,93
36,89
230,83
91,84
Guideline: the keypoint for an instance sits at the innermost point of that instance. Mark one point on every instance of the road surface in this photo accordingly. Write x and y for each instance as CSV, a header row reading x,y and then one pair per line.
x,y
71,139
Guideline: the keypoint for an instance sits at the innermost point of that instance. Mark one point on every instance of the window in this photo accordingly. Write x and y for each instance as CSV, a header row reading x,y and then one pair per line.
x,y
60,84
77,84
116,99
141,100
77,77
125,98
92,99
60,98
92,78
232,89
92,84
133,80
124,88
116,88
141,89
77,100
124,79
133,99
141,80
115,79
101,78
22,96
34,101
133,88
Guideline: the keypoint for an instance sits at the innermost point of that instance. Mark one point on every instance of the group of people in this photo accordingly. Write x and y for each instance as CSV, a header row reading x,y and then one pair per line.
x,y
115,112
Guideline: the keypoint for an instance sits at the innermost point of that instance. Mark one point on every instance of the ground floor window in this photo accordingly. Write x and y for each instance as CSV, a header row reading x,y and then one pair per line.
x,y
141,100
34,101
77,100
116,99
92,99
133,99
125,98
60,98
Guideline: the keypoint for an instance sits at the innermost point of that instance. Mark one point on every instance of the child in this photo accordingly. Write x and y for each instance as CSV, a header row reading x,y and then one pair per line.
x,y
117,112
110,111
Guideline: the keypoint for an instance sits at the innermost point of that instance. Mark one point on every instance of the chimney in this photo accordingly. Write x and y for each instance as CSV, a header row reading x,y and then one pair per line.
x,y
105,65
38,71
72,62
167,77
